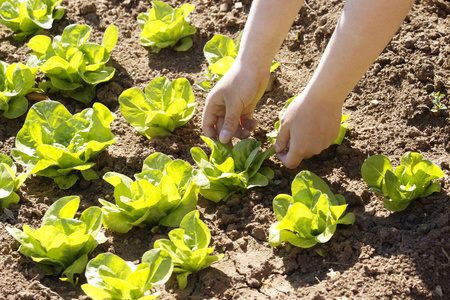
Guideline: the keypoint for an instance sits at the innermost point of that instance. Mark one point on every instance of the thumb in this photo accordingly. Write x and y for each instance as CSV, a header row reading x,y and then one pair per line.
x,y
231,122
290,158
282,142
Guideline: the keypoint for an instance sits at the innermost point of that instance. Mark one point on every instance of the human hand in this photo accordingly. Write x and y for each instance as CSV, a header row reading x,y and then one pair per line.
x,y
229,106
309,125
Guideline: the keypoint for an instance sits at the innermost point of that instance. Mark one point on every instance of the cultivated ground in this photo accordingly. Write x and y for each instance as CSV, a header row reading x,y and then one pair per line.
x,y
382,256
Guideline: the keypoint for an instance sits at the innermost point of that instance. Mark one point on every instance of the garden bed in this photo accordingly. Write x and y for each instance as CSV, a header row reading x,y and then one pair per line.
x,y
384,255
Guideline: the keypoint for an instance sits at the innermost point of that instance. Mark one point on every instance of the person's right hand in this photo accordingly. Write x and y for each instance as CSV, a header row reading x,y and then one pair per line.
x,y
229,106
309,125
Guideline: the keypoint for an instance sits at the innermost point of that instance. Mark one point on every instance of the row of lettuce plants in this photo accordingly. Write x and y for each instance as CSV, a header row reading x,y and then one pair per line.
x,y
63,244
75,66
56,144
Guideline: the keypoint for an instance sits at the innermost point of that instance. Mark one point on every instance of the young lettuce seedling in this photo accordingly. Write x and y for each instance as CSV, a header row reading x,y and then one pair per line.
x,y
74,65
29,17
163,107
437,104
400,186
188,247
110,277
272,136
310,215
62,244
229,170
56,144
16,81
9,183
162,194
220,53
164,26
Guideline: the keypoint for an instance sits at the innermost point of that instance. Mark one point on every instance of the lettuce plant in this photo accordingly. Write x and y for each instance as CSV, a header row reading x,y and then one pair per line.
x,y
342,131
310,215
220,53
188,247
164,26
29,17
110,277
399,186
163,107
9,183
162,194
229,170
437,103
16,81
272,136
62,244
56,144
74,65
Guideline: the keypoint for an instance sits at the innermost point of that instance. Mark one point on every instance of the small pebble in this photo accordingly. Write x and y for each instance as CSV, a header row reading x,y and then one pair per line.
x,y
438,291
224,7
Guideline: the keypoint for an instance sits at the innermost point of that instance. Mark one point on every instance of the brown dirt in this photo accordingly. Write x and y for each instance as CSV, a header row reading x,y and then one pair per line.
x,y
383,256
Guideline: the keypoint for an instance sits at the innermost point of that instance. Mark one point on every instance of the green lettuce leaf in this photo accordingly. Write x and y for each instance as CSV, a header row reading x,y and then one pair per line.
x,y
188,247
56,144
229,170
29,17
163,107
310,215
9,183
62,244
410,180
162,194
16,81
74,65
110,277
164,26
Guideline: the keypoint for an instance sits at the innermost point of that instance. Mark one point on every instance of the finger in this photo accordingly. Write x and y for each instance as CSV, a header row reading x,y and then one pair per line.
x,y
248,123
290,159
242,133
283,139
286,149
231,122
210,117
219,124
291,156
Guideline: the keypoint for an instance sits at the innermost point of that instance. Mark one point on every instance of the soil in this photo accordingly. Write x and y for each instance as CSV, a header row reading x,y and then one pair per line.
x,y
383,255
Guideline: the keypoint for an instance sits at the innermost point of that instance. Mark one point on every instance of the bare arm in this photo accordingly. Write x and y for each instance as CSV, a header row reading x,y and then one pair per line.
x,y
267,26
229,106
312,120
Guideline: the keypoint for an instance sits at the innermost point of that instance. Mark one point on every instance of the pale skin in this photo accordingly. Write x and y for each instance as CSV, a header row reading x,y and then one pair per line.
x,y
312,121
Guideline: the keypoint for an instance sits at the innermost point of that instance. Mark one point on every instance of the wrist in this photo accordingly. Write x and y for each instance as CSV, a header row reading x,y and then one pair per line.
x,y
253,64
324,96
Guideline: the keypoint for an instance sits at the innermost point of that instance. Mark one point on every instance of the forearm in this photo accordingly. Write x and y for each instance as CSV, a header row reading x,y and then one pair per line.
x,y
363,31
266,28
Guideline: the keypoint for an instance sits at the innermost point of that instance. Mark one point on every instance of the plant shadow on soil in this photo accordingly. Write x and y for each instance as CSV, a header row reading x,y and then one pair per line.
x,y
380,235
427,119
171,61
385,236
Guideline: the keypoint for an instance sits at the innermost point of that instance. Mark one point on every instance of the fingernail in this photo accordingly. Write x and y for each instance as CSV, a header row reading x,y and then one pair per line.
x,y
225,136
